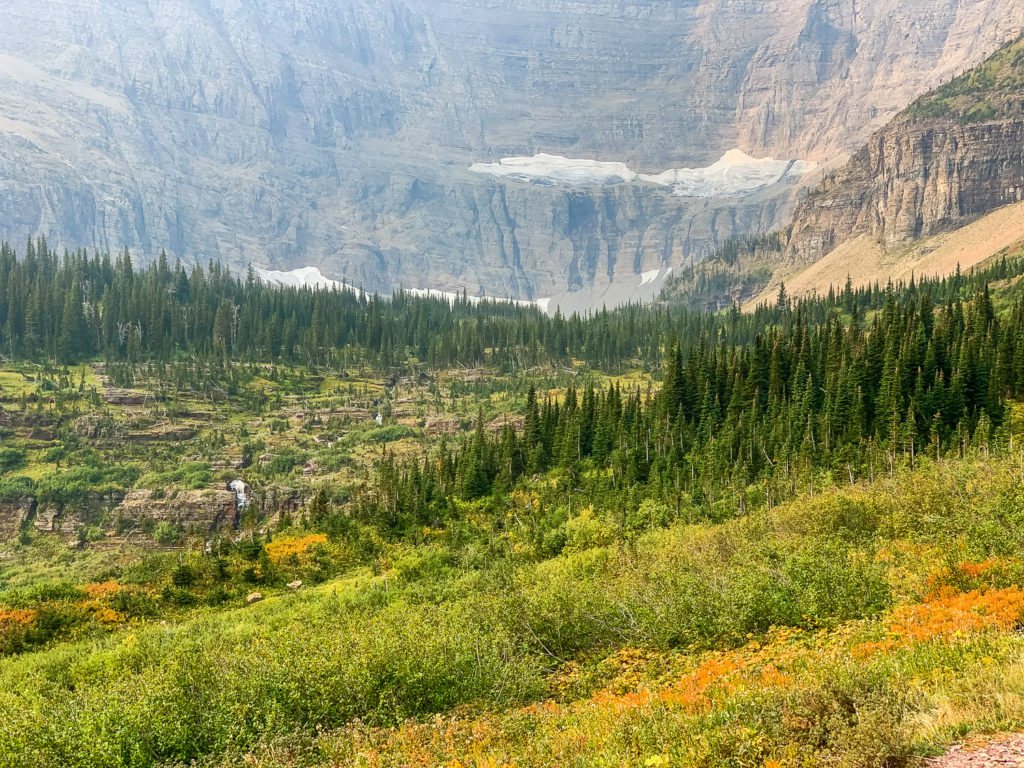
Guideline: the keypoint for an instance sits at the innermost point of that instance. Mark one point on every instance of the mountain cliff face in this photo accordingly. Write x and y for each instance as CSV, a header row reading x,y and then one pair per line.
x,y
340,133
955,154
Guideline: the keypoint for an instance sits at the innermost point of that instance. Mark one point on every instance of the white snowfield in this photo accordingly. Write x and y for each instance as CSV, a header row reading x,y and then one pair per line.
x,y
737,174
555,169
310,277
650,276
641,288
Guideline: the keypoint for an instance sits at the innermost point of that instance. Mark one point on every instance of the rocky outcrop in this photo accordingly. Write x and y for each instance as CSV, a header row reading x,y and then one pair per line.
x,y
13,516
913,181
48,521
952,157
276,502
126,396
202,511
206,511
69,521
340,134
95,425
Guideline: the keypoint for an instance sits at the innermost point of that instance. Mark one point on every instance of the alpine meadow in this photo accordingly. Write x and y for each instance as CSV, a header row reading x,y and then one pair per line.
x,y
371,395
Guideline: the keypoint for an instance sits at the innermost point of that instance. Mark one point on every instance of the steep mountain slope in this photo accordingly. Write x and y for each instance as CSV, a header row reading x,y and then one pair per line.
x,y
955,154
867,261
941,186
341,134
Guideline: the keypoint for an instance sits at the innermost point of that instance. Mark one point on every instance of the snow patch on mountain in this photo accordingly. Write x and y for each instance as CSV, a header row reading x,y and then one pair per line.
x,y
312,277
304,277
736,174
555,169
641,288
650,276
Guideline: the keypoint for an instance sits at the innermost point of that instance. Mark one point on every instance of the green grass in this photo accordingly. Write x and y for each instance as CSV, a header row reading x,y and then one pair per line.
x,y
428,635
461,629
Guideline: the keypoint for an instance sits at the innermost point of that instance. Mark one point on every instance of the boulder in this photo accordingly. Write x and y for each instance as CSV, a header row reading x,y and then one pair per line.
x,y
254,597
125,397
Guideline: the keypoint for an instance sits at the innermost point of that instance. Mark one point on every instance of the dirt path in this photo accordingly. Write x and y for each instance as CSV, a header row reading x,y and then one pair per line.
x,y
1001,752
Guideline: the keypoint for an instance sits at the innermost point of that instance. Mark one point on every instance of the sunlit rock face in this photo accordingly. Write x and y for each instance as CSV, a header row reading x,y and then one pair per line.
x,y
912,180
349,135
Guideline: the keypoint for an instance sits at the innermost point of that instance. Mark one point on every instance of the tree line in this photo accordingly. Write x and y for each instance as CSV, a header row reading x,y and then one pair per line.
x,y
739,424
75,306
743,408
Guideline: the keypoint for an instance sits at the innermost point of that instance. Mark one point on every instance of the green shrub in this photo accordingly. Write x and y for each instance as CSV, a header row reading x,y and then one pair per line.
x,y
193,475
979,113
91,533
855,711
660,595
16,488
183,576
45,592
12,459
166,534
934,108
284,462
427,564
178,596
55,455
72,486
52,621
216,686
374,434
134,603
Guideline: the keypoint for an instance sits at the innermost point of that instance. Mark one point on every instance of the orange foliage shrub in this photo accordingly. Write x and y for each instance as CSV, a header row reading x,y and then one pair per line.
x,y
952,614
286,550
692,692
15,619
986,574
974,570
106,616
949,615
104,589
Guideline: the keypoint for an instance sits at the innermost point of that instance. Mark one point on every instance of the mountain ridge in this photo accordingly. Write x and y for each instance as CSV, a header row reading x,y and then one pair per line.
x,y
951,157
940,186
340,134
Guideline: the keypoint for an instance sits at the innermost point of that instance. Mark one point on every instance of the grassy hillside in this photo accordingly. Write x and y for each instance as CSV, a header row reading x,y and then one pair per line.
x,y
863,626
867,262
987,92
651,537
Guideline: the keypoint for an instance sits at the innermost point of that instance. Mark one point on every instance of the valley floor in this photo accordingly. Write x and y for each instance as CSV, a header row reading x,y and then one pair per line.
x,y
546,552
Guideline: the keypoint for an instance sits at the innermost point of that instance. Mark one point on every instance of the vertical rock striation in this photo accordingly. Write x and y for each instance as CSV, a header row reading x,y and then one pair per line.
x,y
954,155
339,133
